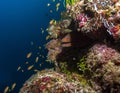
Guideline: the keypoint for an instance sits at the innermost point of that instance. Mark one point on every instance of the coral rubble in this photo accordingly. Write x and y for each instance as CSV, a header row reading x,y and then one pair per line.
x,y
85,42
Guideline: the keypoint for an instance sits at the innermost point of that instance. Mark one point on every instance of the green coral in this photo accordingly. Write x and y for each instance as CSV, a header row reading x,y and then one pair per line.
x,y
80,78
82,64
63,66
69,2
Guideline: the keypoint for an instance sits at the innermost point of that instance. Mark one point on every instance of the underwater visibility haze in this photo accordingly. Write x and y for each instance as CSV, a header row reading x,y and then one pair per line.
x,y
22,30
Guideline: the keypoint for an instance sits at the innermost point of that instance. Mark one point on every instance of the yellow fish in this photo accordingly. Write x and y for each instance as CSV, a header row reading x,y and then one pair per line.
x,y
29,55
13,86
6,89
36,60
30,67
47,60
47,37
36,70
48,4
51,22
57,6
55,22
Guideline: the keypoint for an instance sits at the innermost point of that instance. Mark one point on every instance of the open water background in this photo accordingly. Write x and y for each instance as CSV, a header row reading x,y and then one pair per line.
x,y
20,23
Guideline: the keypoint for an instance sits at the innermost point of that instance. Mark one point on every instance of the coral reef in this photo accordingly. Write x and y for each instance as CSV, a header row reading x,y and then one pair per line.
x,y
49,81
103,54
104,66
91,48
96,17
85,44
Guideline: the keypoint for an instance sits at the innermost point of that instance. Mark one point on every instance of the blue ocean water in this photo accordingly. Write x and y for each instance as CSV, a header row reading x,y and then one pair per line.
x,y
20,23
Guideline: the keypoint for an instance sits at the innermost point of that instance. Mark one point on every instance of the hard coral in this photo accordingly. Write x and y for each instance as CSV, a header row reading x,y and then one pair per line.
x,y
54,47
58,29
104,65
91,21
101,53
93,16
84,23
49,81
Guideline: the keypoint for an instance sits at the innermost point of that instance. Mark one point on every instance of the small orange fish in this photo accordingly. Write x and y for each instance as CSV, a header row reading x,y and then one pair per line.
x,y
13,86
36,60
66,45
66,39
6,89
47,37
36,70
29,55
30,67
48,4
57,6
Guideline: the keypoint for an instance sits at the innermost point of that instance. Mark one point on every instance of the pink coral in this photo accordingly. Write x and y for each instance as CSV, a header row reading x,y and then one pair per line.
x,y
103,54
82,18
104,65
46,79
58,83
